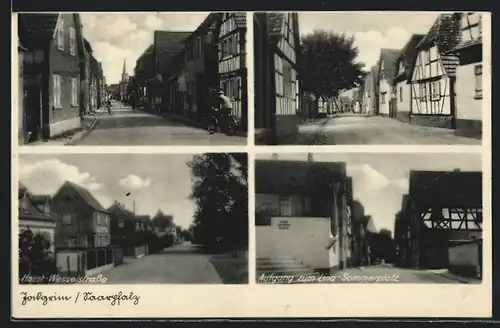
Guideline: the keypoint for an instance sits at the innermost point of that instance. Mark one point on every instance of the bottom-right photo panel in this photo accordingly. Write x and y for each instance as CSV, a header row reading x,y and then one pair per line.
x,y
368,218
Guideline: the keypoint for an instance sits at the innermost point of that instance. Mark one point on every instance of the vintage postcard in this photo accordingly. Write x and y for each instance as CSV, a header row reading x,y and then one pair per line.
x,y
132,79
251,165
359,78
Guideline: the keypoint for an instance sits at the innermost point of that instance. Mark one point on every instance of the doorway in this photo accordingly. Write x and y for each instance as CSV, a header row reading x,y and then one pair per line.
x,y
32,110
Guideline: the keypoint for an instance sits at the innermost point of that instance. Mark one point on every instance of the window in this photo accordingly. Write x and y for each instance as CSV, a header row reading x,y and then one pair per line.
x,y
287,81
285,206
24,205
121,224
67,219
74,92
72,242
72,41
56,91
60,35
435,90
400,94
478,71
422,92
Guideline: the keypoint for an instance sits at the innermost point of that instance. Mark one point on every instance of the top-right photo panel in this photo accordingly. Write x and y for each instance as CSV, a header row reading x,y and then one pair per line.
x,y
369,78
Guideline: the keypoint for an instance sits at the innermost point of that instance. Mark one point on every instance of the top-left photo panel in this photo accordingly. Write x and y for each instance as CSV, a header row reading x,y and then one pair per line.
x,y
132,79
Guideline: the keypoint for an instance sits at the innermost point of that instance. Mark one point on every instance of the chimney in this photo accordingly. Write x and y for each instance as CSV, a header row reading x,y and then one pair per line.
x,y
310,157
274,156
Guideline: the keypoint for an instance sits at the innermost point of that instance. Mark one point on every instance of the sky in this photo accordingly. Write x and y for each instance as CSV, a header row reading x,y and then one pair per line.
x,y
371,30
380,180
116,37
154,181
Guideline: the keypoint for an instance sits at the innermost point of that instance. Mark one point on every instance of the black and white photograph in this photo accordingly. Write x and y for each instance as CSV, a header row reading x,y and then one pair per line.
x,y
132,79
360,78
368,218
133,219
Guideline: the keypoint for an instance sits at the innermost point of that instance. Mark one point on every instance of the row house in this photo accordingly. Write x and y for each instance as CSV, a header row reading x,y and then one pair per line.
x,y
305,211
368,90
402,79
82,222
34,214
52,73
277,95
93,83
434,74
163,224
232,67
143,72
124,224
167,52
200,73
385,76
470,68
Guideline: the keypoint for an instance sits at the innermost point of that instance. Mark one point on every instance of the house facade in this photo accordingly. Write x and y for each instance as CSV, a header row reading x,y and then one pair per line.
x,y
34,213
469,95
52,72
385,75
232,63
82,221
402,79
277,93
434,74
200,74
304,211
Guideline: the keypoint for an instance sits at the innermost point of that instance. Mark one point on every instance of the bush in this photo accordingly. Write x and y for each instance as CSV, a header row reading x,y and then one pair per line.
x,y
34,255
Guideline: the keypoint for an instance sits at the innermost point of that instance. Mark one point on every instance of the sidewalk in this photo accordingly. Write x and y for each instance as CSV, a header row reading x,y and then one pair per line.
x,y
70,137
465,280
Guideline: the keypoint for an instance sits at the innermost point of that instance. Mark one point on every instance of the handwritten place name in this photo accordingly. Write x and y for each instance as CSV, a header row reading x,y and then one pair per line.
x,y
113,299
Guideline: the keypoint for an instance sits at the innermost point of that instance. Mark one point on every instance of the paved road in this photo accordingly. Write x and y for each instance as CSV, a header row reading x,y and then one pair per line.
x,y
395,275
127,127
181,264
357,130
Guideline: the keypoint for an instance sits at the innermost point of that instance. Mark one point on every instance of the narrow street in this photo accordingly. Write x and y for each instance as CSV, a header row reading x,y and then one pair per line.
x,y
180,264
135,128
361,130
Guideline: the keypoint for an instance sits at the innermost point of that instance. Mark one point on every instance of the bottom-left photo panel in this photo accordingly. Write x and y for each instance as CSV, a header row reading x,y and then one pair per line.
x,y
133,218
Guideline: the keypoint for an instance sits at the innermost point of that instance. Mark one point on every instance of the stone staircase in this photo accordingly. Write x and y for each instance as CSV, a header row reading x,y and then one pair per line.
x,y
282,266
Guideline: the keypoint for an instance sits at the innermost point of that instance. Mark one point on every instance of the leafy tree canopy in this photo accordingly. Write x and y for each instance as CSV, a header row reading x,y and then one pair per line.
x,y
328,63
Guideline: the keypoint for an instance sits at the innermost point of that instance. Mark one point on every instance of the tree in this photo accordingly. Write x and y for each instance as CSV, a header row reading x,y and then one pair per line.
x,y
328,64
34,255
221,196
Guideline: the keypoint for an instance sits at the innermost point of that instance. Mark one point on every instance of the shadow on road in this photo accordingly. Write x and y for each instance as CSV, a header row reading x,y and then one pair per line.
x,y
136,122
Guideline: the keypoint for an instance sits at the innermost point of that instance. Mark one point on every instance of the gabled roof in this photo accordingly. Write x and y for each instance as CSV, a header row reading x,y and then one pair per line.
x,y
206,25
143,218
169,42
85,195
445,189
408,56
118,209
40,199
275,26
279,176
31,210
389,58
445,34
87,45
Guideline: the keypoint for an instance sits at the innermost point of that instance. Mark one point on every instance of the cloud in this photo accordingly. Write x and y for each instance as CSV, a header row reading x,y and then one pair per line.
x,y
380,196
116,37
134,182
46,176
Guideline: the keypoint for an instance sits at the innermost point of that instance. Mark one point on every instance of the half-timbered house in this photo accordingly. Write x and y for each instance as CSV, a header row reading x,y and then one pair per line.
x,y
469,85
386,69
232,63
434,74
276,48
402,79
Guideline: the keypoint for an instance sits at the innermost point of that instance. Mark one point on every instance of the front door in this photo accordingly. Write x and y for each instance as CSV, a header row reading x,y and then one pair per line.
x,y
32,110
